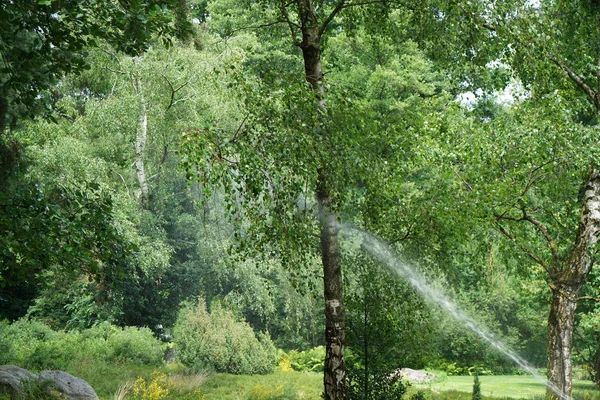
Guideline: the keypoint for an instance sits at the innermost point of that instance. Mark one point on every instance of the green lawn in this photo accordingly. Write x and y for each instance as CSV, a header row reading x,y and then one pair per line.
x,y
512,386
309,386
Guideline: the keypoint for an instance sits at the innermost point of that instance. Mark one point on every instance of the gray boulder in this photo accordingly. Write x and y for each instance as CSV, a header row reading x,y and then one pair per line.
x,y
71,387
12,378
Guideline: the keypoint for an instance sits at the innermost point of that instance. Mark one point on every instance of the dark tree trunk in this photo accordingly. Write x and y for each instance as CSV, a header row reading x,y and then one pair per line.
x,y
334,377
3,114
566,285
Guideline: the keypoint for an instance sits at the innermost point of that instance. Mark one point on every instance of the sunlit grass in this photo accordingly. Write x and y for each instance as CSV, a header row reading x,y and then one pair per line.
x,y
306,385
508,386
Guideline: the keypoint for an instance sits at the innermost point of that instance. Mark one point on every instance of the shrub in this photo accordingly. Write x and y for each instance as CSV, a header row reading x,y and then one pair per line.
x,y
476,389
311,360
157,389
33,345
6,346
136,345
218,341
420,395
381,386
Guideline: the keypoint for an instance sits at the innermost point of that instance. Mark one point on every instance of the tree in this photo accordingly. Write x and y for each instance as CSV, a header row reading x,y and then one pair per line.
x,y
551,50
536,200
317,149
40,41
388,326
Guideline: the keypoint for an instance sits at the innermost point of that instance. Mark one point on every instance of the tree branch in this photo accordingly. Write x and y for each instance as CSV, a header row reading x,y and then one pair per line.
x,y
461,178
174,91
331,16
291,25
530,178
116,71
265,25
526,250
474,17
541,228
236,136
408,231
592,298
576,78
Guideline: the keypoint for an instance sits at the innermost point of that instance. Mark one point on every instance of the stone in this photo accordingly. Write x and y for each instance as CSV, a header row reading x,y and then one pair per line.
x,y
415,375
12,378
69,386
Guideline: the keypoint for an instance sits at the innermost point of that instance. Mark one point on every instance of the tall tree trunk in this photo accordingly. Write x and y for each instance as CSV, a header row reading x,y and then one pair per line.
x,y
560,334
3,113
140,144
334,376
566,285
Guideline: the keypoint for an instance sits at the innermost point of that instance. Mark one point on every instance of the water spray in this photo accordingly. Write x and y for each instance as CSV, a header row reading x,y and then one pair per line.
x,y
383,253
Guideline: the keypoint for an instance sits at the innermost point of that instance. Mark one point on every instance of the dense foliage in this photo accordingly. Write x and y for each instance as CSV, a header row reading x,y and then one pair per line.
x,y
168,162
217,341
35,346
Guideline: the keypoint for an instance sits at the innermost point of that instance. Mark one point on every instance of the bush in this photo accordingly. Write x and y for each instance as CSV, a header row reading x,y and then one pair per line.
x,y
476,389
136,345
218,341
32,345
6,346
311,360
381,386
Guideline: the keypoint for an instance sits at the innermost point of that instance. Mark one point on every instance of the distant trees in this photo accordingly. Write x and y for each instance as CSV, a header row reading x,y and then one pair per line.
x,y
40,41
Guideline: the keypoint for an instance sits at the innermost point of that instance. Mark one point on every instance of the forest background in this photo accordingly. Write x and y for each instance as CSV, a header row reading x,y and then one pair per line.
x,y
164,167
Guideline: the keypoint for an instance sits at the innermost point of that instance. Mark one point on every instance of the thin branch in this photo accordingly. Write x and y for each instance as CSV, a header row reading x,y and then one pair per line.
x,y
408,231
116,71
547,236
124,183
576,78
182,99
239,129
174,91
461,178
265,25
291,24
332,15
526,250
592,298
530,179
541,228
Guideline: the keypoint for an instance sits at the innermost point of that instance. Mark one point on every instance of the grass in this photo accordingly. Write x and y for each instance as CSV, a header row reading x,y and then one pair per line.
x,y
107,379
306,385
504,386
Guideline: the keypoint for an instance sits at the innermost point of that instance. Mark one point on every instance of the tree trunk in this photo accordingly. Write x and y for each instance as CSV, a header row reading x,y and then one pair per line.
x,y
140,145
3,114
334,376
566,285
560,335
